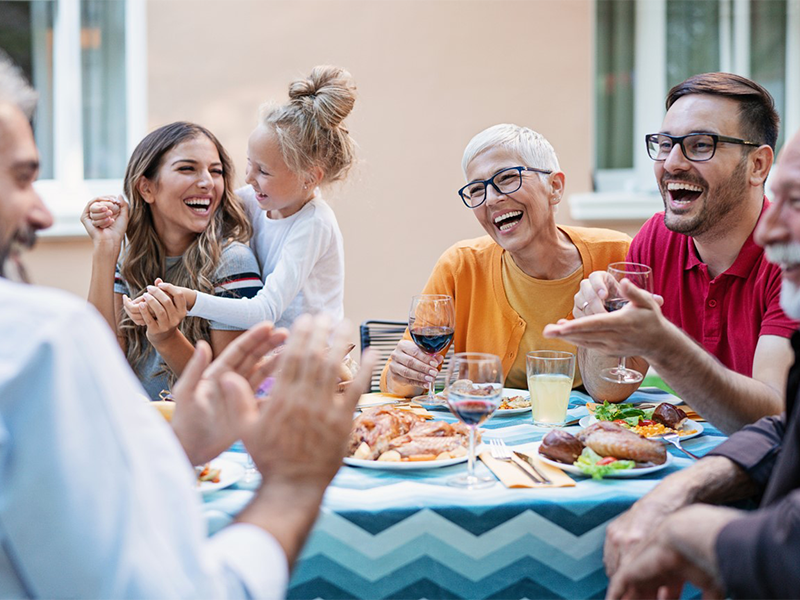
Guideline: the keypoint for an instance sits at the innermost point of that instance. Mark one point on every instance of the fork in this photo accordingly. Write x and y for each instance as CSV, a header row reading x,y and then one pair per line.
x,y
501,452
675,440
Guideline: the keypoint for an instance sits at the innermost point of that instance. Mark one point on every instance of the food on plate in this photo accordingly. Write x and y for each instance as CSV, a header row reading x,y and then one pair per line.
x,y
669,415
653,422
611,439
561,446
591,463
391,434
514,402
206,473
601,449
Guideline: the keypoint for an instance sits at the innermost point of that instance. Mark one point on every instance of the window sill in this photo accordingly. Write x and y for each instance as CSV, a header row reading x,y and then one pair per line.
x,y
614,206
66,202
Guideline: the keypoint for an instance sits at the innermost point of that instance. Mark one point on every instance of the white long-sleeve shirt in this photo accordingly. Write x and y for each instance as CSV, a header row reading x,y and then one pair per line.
x,y
97,498
302,266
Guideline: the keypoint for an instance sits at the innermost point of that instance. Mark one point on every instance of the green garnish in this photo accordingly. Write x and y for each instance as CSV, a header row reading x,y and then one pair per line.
x,y
587,463
625,412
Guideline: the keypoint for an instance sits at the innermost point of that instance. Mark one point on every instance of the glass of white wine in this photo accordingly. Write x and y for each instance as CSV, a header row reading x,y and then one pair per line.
x,y
550,376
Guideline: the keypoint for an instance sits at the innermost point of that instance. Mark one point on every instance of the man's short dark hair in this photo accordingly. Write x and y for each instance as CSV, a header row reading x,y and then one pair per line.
x,y
757,115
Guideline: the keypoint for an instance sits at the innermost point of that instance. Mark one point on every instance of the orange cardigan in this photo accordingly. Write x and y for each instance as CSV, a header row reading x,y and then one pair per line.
x,y
470,273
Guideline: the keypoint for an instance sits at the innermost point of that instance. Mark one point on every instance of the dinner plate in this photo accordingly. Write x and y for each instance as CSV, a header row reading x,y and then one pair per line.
x,y
623,474
688,425
230,472
507,393
413,465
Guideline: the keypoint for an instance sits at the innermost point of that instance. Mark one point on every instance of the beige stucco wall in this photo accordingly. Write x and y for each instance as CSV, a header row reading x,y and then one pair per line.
x,y
430,75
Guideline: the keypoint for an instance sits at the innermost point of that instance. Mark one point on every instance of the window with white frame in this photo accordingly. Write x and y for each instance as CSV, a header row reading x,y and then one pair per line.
x,y
643,48
86,60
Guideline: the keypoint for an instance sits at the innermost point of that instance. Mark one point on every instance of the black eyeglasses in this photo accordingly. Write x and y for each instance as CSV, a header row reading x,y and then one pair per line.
x,y
505,181
696,147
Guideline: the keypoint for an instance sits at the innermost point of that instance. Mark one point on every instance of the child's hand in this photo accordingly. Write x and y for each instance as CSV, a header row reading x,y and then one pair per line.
x,y
189,296
159,311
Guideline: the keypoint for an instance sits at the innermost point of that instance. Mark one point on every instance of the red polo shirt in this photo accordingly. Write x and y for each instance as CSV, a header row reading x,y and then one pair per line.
x,y
726,314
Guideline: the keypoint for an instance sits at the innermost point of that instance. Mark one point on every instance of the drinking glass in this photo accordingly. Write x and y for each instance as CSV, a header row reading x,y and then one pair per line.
x,y
474,391
431,320
550,375
640,276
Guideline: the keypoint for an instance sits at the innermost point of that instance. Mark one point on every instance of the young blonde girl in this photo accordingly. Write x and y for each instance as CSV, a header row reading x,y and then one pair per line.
x,y
295,149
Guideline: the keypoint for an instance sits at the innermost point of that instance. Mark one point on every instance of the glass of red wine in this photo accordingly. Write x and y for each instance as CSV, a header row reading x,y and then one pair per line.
x,y
474,391
431,320
640,276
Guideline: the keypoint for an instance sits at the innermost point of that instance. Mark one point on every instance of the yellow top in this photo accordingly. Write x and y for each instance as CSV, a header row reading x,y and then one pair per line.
x,y
538,302
471,273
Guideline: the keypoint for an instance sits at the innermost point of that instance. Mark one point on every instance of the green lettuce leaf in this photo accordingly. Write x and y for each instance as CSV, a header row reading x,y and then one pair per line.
x,y
587,463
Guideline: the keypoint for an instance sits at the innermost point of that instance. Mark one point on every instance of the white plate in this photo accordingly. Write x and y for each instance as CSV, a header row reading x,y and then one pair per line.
x,y
688,425
411,465
625,473
507,393
230,473
385,465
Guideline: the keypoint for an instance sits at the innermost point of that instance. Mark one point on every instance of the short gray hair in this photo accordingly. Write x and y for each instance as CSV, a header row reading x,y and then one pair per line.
x,y
14,88
530,147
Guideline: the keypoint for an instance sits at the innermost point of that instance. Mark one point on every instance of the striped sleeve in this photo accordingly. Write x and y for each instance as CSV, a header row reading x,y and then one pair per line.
x,y
237,276
120,285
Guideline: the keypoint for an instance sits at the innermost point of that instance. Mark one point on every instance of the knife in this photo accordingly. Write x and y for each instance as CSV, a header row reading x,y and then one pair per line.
x,y
530,463
526,467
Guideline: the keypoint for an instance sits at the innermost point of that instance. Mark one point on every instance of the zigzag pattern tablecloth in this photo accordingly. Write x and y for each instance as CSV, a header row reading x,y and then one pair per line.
x,y
389,534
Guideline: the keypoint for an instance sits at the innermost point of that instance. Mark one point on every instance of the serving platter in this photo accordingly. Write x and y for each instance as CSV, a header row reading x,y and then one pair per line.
x,y
230,472
688,425
624,474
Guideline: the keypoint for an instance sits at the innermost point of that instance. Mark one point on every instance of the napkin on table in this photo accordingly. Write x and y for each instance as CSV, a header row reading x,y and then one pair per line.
x,y
512,476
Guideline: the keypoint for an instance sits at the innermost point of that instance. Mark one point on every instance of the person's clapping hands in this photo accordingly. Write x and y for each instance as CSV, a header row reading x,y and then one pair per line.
x,y
208,420
299,436
410,366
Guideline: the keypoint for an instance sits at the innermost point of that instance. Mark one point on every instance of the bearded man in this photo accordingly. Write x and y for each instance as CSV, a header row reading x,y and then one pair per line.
x,y
714,330
669,537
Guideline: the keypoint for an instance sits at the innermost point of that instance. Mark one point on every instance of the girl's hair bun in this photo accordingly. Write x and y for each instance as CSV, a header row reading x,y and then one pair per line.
x,y
327,95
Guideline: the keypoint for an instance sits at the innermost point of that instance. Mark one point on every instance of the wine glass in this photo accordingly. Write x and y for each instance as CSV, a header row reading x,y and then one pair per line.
x,y
431,320
638,275
474,391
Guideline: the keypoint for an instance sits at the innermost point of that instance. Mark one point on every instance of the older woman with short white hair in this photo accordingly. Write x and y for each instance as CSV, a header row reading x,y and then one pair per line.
x,y
509,284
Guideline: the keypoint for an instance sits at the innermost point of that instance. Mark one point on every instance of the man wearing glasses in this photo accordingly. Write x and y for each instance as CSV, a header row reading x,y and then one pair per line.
x,y
715,330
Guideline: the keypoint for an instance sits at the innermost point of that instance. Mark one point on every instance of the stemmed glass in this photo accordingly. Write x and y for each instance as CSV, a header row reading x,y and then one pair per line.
x,y
431,320
640,276
474,391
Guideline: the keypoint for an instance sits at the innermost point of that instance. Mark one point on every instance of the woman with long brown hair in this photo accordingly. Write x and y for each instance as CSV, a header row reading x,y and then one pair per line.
x,y
182,224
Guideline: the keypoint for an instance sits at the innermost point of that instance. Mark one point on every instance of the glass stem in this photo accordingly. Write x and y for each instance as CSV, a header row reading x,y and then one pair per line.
x,y
621,365
471,455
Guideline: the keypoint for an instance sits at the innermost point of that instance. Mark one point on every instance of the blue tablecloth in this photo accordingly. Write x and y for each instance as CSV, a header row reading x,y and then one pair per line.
x,y
390,534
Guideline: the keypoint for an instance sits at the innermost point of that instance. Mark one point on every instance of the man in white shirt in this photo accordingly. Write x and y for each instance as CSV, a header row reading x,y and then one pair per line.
x,y
96,493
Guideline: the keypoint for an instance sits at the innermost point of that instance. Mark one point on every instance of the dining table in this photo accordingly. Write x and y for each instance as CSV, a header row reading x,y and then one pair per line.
x,y
408,534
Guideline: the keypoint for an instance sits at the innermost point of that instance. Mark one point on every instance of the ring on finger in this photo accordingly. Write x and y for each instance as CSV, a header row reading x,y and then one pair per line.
x,y
584,305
